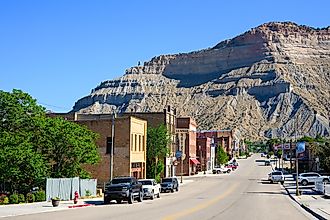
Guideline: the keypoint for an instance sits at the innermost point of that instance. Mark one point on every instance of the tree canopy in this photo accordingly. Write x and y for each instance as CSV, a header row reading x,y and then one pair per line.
x,y
33,146
158,139
222,156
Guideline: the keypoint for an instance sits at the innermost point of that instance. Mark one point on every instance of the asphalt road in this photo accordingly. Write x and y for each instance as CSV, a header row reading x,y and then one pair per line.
x,y
239,195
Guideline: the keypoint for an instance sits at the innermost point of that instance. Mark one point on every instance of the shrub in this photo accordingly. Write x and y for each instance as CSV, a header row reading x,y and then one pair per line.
x,y
21,198
88,192
30,197
13,198
4,200
40,196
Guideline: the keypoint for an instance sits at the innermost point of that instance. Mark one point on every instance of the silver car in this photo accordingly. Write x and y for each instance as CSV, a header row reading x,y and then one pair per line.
x,y
276,176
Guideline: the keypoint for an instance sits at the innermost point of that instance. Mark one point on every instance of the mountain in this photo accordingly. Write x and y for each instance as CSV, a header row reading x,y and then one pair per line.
x,y
273,81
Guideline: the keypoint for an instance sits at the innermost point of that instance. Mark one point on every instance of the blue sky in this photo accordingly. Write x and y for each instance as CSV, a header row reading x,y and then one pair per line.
x,y
58,50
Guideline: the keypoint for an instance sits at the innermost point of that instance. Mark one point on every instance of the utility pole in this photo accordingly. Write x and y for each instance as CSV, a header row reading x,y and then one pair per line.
x,y
297,170
112,144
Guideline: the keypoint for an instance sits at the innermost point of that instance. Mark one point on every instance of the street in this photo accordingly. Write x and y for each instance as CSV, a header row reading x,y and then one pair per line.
x,y
239,195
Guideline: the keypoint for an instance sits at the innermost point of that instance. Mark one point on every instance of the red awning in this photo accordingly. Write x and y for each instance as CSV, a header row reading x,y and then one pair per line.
x,y
194,161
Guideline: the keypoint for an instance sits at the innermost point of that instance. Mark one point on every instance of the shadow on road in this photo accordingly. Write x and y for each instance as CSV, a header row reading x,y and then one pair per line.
x,y
97,203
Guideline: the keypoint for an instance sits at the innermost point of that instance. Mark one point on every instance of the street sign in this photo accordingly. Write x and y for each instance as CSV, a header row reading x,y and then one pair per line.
x,y
178,154
300,147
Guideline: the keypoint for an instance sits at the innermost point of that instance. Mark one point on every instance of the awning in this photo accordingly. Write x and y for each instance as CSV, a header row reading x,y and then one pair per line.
x,y
194,161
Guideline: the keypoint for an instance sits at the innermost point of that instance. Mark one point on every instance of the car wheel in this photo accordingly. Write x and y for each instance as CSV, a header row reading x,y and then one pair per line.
x,y
118,201
228,171
304,182
130,198
106,201
152,195
271,181
218,171
140,198
158,195
177,188
172,190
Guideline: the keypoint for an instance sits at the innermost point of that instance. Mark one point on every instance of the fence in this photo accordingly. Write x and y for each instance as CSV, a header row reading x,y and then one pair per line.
x,y
65,188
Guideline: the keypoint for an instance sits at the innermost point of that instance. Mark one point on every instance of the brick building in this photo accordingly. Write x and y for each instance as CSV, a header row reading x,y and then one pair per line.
x,y
186,138
130,134
168,118
223,138
204,153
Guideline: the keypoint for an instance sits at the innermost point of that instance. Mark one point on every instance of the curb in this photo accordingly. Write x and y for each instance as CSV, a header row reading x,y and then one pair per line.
x,y
318,216
79,206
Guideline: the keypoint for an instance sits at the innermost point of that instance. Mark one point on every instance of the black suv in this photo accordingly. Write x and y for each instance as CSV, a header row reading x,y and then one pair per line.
x,y
123,188
169,184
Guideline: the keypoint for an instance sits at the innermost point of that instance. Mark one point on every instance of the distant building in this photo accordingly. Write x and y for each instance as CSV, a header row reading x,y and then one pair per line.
x,y
130,136
186,139
223,138
204,153
168,118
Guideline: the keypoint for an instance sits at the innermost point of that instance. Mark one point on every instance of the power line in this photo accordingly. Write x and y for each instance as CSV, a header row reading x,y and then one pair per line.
x,y
53,106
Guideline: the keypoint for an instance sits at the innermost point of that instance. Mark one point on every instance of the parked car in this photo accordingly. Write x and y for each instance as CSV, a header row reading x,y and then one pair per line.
x,y
232,166
150,188
218,170
308,178
169,184
276,176
123,188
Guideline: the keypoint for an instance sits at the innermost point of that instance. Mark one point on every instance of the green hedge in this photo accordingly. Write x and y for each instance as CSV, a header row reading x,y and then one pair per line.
x,y
40,196
30,197
21,198
4,200
13,199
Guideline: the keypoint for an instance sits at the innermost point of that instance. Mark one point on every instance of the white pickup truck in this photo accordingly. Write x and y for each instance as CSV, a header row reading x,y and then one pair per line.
x,y
150,188
218,170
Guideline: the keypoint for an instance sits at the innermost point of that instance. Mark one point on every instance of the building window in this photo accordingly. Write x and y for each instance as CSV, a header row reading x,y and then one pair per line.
x,y
109,143
140,145
135,143
132,142
143,145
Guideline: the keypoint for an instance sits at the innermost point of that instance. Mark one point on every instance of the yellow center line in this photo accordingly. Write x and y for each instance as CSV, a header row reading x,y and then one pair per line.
x,y
201,206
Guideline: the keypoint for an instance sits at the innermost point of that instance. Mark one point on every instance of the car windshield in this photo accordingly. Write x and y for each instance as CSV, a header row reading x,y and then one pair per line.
x,y
167,180
121,180
146,182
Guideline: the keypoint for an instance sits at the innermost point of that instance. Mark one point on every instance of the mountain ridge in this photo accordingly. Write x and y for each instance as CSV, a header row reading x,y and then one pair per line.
x,y
277,68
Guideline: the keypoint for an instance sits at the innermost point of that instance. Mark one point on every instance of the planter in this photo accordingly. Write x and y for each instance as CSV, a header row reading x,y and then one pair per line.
x,y
55,202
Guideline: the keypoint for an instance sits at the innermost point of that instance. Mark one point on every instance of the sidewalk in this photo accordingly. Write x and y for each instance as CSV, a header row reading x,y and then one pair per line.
x,y
310,200
38,207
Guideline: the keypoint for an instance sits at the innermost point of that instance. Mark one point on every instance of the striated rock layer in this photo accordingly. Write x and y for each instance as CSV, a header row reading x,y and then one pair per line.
x,y
273,80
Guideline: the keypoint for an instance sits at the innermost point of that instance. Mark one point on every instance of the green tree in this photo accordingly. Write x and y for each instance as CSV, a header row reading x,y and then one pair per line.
x,y
33,146
158,139
222,156
67,146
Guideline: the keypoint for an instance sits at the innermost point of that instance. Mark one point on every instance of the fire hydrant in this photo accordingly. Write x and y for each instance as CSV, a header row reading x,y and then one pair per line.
x,y
76,196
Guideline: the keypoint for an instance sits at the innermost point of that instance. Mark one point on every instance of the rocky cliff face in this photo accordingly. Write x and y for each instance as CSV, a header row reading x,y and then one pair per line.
x,y
273,80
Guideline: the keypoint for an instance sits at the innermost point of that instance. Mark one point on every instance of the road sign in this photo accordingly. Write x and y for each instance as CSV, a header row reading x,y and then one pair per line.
x,y
178,154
